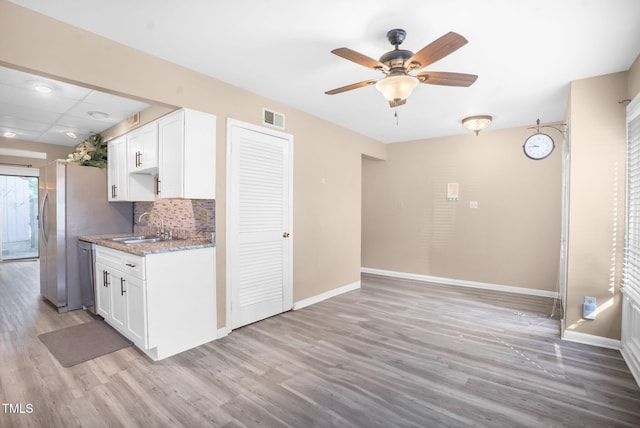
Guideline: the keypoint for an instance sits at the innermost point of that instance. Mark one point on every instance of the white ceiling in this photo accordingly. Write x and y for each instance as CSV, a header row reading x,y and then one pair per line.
x,y
46,118
525,53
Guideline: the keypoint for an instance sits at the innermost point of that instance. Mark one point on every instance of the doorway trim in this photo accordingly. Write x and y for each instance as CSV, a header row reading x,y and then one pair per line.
x,y
231,123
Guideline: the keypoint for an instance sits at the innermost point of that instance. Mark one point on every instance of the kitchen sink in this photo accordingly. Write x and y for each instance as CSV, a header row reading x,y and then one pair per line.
x,y
130,238
141,239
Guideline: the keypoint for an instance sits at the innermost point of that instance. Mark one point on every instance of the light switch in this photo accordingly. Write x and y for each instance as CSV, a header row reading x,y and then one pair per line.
x,y
473,204
589,308
453,191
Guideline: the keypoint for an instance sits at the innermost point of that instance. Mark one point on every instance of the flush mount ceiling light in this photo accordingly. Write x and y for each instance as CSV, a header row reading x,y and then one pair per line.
x,y
42,88
476,123
9,134
71,134
98,115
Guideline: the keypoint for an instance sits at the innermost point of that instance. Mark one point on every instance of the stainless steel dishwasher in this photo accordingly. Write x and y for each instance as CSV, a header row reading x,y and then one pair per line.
x,y
87,262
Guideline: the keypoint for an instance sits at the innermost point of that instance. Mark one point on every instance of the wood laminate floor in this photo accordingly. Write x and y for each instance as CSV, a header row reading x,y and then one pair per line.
x,y
395,353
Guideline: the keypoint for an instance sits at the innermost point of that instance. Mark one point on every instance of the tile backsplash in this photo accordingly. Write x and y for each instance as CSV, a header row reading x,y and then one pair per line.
x,y
187,218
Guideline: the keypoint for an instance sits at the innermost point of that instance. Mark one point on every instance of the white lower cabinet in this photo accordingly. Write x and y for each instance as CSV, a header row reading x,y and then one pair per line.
x,y
103,290
136,314
118,299
165,303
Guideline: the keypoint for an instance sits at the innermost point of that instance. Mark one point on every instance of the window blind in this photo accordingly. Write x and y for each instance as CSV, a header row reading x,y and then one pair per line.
x,y
631,270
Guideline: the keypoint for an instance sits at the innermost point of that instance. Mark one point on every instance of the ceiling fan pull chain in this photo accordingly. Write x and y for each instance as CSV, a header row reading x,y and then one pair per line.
x,y
396,116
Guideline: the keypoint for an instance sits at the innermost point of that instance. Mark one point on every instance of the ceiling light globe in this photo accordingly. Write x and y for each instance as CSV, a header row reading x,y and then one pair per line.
x,y
397,87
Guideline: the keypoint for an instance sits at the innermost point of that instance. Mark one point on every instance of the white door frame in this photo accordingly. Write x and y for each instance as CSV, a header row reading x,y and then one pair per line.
x,y
264,130
24,171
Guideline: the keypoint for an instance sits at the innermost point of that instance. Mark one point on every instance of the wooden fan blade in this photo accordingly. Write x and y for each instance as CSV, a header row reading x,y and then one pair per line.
x,y
359,58
437,50
396,103
446,79
350,87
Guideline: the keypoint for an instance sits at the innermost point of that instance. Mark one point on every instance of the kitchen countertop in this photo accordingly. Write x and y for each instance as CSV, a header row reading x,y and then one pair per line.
x,y
148,248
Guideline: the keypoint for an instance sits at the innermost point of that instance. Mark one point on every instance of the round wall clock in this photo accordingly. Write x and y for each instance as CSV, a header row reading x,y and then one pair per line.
x,y
538,146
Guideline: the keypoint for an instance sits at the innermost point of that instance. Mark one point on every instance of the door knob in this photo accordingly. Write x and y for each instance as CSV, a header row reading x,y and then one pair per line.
x,y
285,234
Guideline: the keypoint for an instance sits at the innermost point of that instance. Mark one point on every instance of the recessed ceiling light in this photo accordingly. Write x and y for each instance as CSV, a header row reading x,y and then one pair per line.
x,y
98,115
9,134
70,134
43,89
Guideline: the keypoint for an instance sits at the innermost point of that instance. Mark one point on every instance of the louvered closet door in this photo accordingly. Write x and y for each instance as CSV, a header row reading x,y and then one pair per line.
x,y
259,246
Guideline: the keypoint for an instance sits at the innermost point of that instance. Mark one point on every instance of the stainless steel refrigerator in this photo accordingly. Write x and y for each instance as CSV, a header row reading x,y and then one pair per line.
x,y
73,202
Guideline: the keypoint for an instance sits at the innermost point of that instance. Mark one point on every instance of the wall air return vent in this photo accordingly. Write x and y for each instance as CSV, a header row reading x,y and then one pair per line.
x,y
270,117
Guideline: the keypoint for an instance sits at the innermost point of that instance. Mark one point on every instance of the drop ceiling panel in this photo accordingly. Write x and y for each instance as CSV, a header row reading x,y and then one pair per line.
x,y
23,124
45,118
9,112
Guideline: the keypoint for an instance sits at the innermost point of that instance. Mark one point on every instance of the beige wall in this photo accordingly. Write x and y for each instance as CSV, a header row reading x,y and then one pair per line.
x,y
596,202
52,151
321,262
512,238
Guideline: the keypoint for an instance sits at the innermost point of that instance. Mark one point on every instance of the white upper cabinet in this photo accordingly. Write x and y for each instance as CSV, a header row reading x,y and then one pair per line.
x,y
187,155
179,148
143,149
117,175
122,185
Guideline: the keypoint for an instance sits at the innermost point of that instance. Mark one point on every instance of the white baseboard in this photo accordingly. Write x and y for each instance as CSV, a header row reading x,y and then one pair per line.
x,y
461,283
590,339
327,295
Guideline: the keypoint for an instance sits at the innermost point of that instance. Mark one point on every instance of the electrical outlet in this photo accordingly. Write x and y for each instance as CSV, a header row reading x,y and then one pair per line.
x,y
204,217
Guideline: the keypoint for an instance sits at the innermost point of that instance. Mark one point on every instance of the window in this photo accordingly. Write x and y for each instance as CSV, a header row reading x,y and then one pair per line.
x,y
631,275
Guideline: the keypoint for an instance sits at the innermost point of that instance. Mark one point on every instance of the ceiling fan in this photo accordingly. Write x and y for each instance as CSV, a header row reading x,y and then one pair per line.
x,y
396,64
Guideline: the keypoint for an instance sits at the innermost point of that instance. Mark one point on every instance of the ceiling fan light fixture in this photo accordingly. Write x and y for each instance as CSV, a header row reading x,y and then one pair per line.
x,y
476,123
397,87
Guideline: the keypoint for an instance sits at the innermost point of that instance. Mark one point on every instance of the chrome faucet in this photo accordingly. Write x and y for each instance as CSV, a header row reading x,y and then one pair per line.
x,y
161,233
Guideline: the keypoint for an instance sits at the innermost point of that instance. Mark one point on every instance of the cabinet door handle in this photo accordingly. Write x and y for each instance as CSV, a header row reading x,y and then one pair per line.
x,y
122,290
157,184
131,265
107,278
104,278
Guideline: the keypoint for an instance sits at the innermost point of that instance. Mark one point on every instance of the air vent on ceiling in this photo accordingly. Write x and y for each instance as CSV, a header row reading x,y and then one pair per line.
x,y
270,117
134,119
